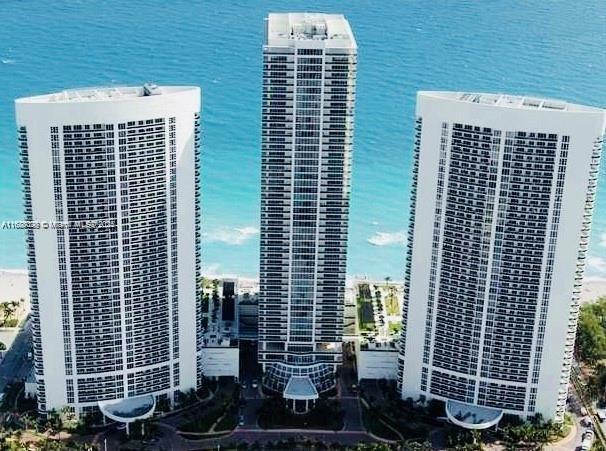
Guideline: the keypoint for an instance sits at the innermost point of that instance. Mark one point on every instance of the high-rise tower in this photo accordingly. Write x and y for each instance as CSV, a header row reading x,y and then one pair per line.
x,y
112,176
502,198
309,66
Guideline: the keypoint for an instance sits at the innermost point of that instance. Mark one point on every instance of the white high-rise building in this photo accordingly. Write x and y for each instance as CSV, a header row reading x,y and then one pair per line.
x,y
112,177
308,101
502,198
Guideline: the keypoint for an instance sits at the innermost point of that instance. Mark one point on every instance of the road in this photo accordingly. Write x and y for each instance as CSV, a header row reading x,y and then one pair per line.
x,y
16,366
577,400
350,401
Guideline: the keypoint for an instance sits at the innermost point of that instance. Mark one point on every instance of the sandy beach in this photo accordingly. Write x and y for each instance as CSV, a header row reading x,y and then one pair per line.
x,y
592,290
13,284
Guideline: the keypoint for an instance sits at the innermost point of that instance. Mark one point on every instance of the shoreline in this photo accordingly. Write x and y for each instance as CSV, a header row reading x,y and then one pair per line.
x,y
14,284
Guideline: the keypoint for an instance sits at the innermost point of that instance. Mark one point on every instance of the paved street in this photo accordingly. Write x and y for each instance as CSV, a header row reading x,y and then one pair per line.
x,y
347,395
15,365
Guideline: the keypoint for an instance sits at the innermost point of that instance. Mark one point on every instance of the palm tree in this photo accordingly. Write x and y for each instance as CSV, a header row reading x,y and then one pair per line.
x,y
387,280
8,310
28,421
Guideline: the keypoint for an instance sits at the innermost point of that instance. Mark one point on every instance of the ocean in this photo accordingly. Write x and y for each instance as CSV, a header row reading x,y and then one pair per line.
x,y
555,49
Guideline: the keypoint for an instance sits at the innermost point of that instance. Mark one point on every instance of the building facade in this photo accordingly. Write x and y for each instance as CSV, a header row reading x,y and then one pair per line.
x,y
309,63
501,205
111,182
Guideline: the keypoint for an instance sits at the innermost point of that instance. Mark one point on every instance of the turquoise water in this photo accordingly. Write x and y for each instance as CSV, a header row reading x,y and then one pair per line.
x,y
551,48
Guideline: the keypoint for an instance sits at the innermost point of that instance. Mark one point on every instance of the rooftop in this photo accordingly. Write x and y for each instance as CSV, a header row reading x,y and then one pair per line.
x,y
300,387
331,28
99,94
509,101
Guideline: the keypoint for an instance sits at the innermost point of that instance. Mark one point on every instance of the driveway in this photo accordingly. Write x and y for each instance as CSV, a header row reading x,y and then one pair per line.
x,y
16,366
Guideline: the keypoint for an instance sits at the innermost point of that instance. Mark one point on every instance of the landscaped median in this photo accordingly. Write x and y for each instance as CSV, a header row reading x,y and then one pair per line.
x,y
366,320
326,414
218,415
390,418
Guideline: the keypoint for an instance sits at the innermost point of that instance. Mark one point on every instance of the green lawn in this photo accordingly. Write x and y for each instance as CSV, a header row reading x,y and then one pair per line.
x,y
327,414
395,328
229,421
391,305
376,427
224,402
366,321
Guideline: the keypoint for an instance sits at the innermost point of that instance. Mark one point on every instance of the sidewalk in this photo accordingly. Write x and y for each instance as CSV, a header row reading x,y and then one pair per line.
x,y
567,443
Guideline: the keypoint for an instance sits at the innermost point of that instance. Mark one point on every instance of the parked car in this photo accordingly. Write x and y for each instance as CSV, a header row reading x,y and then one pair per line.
x,y
243,384
587,440
241,420
254,384
583,411
601,415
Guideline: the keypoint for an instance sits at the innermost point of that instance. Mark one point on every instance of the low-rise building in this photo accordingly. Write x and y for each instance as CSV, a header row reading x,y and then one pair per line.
x,y
220,353
248,309
378,317
377,360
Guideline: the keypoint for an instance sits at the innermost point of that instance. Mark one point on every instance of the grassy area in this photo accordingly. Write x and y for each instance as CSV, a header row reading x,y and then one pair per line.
x,y
375,426
229,420
222,407
327,414
364,292
203,423
391,304
366,321
395,328
412,421
192,436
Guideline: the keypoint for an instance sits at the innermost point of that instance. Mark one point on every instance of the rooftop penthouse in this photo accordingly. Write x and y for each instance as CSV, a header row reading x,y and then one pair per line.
x,y
510,101
332,30
105,94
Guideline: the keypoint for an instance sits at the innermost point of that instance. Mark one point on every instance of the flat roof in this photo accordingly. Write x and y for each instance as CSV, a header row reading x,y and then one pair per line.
x,y
300,387
510,101
471,416
127,410
105,94
333,29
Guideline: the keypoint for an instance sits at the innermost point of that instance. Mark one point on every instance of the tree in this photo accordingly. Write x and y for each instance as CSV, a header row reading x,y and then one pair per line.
x,y
414,445
591,333
597,383
28,421
54,421
8,308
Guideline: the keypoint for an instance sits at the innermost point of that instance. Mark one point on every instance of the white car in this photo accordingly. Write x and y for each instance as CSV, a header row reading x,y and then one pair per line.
x,y
254,384
587,440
